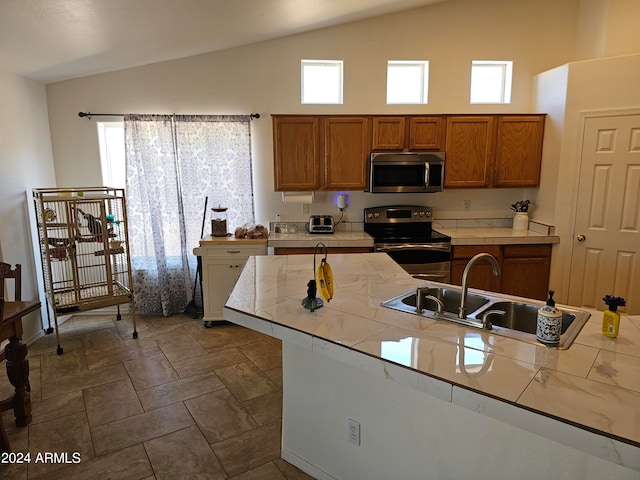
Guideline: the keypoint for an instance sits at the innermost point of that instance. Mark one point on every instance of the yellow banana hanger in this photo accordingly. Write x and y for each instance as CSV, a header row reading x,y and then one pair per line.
x,y
322,282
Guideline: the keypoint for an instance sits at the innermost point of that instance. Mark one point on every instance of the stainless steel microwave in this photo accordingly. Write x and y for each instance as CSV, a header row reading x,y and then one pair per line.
x,y
406,172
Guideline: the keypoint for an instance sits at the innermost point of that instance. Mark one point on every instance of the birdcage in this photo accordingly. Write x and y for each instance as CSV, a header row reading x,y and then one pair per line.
x,y
84,249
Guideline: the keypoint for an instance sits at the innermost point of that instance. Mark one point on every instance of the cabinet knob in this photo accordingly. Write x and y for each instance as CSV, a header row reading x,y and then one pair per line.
x,y
581,238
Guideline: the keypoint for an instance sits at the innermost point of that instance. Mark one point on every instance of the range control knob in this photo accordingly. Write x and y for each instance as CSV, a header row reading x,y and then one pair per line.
x,y
369,215
427,213
376,214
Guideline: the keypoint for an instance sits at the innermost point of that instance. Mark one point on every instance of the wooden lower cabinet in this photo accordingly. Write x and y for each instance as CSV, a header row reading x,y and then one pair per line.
x,y
524,269
482,272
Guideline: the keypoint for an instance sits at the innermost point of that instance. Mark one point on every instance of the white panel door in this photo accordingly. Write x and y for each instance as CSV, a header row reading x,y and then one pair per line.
x,y
606,252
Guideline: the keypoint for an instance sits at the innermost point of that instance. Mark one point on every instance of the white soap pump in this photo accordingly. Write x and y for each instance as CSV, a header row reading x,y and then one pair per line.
x,y
549,325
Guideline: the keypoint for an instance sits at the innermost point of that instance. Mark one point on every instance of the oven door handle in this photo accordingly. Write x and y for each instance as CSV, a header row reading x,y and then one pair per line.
x,y
426,174
440,247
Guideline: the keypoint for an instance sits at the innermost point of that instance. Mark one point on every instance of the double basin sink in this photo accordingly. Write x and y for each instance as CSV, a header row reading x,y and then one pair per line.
x,y
503,316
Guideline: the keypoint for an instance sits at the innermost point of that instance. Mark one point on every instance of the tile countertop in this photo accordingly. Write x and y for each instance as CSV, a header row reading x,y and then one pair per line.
x,y
587,397
496,236
459,236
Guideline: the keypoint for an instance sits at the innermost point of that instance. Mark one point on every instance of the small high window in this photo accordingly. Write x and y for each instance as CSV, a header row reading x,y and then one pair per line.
x,y
407,81
491,81
321,81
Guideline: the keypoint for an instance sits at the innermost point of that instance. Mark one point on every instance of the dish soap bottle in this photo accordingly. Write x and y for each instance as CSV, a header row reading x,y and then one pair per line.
x,y
611,317
549,325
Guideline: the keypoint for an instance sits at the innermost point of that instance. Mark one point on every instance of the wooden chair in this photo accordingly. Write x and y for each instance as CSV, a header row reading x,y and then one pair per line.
x,y
4,439
16,275
15,352
7,273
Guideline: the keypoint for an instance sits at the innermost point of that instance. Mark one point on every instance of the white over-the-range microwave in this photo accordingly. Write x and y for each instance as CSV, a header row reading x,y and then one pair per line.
x,y
406,172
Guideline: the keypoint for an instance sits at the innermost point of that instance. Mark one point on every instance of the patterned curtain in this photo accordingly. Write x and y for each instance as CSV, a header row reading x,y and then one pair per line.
x,y
173,163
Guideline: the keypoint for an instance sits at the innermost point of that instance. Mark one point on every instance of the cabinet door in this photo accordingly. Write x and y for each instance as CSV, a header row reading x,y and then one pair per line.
x,y
221,266
347,145
518,151
526,277
389,133
219,275
525,270
297,155
426,133
469,148
481,276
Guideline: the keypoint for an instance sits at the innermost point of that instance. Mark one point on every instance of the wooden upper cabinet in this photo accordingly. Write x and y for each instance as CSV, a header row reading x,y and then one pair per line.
x,y
408,133
331,152
347,145
317,152
297,153
469,151
518,151
426,133
389,133
493,151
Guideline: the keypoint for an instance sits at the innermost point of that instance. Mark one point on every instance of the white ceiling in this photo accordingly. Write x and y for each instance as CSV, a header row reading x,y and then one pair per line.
x,y
53,40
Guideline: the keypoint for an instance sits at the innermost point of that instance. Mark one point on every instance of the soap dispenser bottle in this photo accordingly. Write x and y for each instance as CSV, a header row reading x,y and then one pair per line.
x,y
611,317
549,325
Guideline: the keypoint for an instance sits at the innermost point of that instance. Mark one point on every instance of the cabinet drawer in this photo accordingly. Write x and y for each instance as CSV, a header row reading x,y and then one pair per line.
x,y
468,251
234,250
527,251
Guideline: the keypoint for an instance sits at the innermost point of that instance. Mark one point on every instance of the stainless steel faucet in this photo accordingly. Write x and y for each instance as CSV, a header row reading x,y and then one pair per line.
x,y
462,313
420,298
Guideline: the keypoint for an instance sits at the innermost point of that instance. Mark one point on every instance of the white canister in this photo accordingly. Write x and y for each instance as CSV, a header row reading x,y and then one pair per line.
x,y
521,221
549,324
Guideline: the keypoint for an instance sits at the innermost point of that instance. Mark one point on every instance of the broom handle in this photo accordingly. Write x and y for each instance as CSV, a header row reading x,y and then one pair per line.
x,y
199,268
204,216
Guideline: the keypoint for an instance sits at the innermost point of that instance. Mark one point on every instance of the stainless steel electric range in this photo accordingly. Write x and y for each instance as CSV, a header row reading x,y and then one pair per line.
x,y
405,233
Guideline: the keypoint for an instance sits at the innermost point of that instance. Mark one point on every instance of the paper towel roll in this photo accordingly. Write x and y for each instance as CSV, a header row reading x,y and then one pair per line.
x,y
297,197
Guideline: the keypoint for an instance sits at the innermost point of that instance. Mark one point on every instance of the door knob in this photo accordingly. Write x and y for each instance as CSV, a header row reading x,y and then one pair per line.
x,y
581,238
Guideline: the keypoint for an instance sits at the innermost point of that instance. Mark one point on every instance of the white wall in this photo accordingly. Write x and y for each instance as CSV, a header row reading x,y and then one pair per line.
x,y
607,28
264,78
602,85
26,162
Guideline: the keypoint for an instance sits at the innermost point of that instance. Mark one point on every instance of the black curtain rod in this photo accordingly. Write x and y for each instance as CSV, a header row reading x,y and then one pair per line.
x,y
89,115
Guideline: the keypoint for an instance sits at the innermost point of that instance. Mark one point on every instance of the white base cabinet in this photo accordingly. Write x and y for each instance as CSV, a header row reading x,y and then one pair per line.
x,y
222,262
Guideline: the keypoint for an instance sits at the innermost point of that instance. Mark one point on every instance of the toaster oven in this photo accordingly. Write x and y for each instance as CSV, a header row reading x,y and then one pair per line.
x,y
321,224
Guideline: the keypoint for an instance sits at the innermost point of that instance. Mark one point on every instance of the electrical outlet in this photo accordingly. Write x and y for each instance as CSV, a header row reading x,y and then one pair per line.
x,y
353,431
305,208
466,204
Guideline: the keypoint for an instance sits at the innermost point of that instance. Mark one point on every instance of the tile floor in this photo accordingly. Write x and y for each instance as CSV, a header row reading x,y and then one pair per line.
x,y
181,401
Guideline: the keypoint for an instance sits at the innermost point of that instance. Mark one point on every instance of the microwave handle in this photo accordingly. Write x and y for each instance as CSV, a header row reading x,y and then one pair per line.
x,y
426,174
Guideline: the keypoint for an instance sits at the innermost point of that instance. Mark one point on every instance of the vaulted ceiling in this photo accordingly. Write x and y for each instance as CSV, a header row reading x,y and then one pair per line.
x,y
53,40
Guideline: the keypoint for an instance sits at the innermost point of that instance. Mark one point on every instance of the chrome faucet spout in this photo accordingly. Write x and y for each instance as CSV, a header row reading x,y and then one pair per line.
x,y
462,313
422,296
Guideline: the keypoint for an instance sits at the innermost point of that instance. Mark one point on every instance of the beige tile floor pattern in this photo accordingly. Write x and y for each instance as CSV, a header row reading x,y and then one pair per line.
x,y
181,401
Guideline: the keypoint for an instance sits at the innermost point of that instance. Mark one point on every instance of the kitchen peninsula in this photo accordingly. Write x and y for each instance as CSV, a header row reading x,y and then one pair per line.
x,y
434,399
